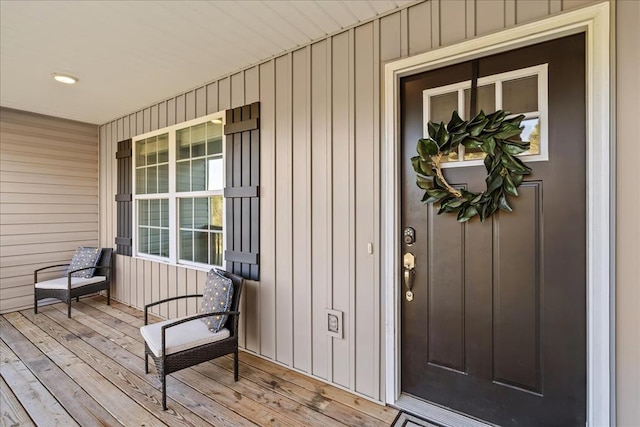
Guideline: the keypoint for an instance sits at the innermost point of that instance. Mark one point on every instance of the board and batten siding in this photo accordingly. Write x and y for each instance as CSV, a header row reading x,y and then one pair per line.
x,y
320,108
48,198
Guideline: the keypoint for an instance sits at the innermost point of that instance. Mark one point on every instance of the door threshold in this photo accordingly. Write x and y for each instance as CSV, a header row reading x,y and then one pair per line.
x,y
438,414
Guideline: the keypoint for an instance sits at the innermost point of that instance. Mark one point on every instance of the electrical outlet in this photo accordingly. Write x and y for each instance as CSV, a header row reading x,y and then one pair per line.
x,y
334,323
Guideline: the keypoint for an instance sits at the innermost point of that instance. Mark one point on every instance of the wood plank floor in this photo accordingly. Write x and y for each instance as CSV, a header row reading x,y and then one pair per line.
x,y
89,371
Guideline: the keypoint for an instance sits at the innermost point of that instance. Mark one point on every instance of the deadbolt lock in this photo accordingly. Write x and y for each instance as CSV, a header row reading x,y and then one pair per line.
x,y
409,235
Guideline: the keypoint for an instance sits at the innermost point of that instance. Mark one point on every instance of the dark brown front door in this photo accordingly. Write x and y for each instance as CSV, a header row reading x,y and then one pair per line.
x,y
497,326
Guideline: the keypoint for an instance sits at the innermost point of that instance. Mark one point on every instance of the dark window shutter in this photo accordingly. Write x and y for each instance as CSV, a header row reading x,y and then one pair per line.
x,y
242,165
123,198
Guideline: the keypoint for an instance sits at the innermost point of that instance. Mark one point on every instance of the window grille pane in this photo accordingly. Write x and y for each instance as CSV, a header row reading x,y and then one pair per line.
x,y
143,212
143,240
186,213
186,245
152,180
164,243
216,213
214,146
152,151
141,157
520,95
163,148
164,213
183,143
198,148
215,168
215,249
154,241
201,214
214,138
198,175
183,176
154,213
141,181
201,247
163,179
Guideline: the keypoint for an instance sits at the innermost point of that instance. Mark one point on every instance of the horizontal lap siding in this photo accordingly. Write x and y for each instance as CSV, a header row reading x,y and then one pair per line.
x,y
320,108
49,198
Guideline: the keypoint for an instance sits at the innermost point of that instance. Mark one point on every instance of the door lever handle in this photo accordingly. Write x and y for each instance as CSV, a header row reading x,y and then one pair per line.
x,y
408,278
409,262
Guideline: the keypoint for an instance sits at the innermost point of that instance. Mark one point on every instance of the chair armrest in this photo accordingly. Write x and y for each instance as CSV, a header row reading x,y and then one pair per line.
x,y
151,304
35,272
189,319
51,266
200,316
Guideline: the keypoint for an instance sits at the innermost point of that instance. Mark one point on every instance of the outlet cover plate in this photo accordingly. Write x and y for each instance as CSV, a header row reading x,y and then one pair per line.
x,y
334,323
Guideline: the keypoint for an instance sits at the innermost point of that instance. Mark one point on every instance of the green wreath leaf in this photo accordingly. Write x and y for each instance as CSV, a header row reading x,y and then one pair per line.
x,y
498,137
425,184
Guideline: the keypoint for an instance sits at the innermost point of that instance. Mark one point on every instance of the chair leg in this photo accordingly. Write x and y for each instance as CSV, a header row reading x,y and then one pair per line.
x,y
164,392
109,296
69,308
35,303
77,299
146,363
235,365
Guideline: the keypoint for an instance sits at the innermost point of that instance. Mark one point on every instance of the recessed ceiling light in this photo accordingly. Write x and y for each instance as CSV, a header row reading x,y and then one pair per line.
x,y
217,121
65,78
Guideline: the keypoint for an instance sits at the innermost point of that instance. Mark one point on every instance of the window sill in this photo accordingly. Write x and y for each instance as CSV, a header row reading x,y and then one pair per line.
x,y
198,267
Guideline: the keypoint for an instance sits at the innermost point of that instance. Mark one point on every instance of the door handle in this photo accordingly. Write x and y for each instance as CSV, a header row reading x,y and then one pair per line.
x,y
409,263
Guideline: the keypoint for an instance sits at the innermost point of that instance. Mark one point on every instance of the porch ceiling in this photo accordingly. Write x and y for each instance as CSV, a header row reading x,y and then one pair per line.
x,y
129,54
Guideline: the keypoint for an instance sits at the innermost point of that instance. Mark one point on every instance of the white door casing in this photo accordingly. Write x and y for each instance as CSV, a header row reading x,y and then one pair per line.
x,y
594,22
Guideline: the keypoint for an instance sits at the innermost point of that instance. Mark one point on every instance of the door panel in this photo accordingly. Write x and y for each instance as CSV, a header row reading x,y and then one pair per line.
x,y
497,326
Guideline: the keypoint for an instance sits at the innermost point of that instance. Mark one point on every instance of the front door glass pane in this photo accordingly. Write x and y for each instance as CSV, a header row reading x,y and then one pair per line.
x,y
531,133
485,100
520,95
442,106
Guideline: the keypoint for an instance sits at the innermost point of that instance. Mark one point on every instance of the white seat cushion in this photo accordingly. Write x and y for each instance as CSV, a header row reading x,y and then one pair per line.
x,y
181,337
76,282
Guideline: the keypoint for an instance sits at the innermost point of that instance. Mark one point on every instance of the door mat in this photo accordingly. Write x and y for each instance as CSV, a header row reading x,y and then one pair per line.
x,y
407,420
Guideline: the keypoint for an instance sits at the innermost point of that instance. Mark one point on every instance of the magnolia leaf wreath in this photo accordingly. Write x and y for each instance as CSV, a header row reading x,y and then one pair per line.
x,y
498,137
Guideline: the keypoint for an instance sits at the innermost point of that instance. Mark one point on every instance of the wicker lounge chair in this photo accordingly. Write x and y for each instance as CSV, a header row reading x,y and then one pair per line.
x,y
177,344
68,287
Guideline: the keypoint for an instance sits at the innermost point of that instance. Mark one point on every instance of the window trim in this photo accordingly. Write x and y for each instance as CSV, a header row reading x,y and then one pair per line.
x,y
541,71
173,195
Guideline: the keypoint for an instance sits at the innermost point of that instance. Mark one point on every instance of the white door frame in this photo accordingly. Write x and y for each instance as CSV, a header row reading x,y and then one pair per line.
x,y
594,22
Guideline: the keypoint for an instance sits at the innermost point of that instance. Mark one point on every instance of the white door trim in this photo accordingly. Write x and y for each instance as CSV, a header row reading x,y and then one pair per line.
x,y
594,22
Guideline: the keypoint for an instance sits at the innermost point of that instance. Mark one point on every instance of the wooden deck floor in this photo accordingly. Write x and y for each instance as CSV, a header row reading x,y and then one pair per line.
x,y
89,371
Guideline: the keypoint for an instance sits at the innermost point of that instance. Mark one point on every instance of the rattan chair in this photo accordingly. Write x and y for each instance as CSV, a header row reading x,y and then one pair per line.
x,y
192,332
68,287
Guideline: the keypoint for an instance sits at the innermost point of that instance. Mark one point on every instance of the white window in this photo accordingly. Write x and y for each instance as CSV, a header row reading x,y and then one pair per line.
x,y
521,91
179,184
